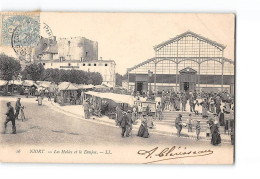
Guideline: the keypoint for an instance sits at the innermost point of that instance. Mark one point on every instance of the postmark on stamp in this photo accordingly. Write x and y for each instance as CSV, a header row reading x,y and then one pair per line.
x,y
21,32
28,27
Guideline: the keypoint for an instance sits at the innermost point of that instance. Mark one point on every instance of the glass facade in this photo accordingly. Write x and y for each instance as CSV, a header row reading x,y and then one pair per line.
x,y
189,46
188,50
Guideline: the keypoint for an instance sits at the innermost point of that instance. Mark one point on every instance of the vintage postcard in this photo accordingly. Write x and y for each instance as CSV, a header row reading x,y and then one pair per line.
x,y
138,88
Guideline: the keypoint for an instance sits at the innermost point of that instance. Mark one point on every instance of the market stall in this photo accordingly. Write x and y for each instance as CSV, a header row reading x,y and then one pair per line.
x,y
68,94
15,87
3,87
107,102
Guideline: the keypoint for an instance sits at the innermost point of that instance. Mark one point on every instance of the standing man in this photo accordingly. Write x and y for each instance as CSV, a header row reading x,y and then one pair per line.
x,y
124,123
198,129
18,106
183,101
119,114
190,123
191,103
10,117
218,104
134,114
195,95
178,125
129,126
86,109
159,111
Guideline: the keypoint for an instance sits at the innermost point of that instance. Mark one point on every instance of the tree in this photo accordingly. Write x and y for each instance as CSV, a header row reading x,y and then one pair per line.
x,y
73,76
52,75
96,78
9,67
33,72
119,79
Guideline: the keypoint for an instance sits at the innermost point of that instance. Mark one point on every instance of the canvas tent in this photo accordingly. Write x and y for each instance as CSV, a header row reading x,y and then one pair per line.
x,y
29,83
68,94
84,87
3,82
118,98
15,82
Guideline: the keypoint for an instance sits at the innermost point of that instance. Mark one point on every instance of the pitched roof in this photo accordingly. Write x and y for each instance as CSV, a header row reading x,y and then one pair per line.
x,y
66,86
141,64
178,37
188,70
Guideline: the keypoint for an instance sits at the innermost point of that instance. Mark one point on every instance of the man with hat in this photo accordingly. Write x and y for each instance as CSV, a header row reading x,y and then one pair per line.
x,y
124,123
183,101
10,117
130,123
190,123
198,129
18,106
178,125
86,109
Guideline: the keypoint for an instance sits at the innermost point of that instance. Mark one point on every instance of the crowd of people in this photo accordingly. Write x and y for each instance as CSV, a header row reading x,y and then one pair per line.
x,y
214,107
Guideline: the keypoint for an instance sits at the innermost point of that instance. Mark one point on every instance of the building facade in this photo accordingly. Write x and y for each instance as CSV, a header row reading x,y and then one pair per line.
x,y
76,53
105,67
187,62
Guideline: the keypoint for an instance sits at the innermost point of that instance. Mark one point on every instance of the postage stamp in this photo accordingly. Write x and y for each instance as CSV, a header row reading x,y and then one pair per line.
x,y
27,29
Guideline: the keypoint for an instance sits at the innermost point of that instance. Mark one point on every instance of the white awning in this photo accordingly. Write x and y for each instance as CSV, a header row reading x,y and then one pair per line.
x,y
15,82
3,82
118,98
81,86
67,86
44,84
29,83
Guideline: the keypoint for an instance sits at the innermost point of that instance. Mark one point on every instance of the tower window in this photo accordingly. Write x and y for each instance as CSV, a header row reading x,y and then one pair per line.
x,y
95,64
69,64
89,64
84,64
43,63
105,64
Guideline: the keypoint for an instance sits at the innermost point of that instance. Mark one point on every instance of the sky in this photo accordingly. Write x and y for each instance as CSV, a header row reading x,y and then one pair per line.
x,y
129,38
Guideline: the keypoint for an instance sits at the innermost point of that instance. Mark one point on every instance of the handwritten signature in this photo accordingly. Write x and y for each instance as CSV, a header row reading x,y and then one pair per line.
x,y
171,153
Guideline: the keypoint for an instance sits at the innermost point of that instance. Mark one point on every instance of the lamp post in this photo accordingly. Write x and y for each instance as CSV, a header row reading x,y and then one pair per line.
x,y
150,74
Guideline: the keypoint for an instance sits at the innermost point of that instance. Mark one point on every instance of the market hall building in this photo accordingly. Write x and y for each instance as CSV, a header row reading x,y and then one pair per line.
x,y
187,62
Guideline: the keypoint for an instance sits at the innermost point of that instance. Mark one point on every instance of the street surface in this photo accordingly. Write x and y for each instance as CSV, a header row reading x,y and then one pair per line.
x,y
44,126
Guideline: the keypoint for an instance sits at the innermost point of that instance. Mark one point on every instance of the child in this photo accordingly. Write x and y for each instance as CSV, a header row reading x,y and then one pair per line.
x,y
208,131
190,123
198,129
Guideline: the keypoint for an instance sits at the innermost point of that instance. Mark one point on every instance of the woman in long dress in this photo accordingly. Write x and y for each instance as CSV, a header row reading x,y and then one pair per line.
x,y
204,108
216,139
178,103
143,130
222,118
